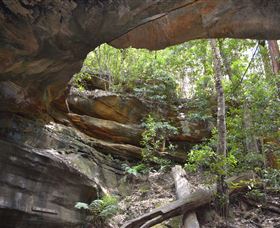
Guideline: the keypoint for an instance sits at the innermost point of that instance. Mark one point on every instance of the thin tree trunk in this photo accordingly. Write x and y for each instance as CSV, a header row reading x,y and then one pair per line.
x,y
266,60
225,61
222,191
250,138
275,55
183,190
275,60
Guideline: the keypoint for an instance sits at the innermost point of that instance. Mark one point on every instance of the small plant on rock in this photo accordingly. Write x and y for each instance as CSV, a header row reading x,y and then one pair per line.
x,y
100,210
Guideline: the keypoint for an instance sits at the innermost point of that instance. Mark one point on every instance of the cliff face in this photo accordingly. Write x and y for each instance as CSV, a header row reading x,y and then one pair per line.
x,y
49,158
47,166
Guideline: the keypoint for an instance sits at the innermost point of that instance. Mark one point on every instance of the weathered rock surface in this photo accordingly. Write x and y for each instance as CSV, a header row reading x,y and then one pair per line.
x,y
39,188
96,81
52,167
108,106
78,152
118,117
193,131
44,42
195,19
107,129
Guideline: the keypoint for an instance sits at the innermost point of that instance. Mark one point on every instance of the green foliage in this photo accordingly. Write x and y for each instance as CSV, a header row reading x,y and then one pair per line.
x,y
200,157
272,177
156,133
203,157
79,80
154,139
250,184
254,94
100,210
143,73
160,86
256,194
136,170
105,208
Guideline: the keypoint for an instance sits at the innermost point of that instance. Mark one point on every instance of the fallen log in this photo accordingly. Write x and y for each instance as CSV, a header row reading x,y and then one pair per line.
x,y
187,204
183,190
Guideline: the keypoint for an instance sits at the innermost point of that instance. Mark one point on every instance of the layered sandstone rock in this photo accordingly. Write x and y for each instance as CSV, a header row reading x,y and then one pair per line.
x,y
108,106
107,129
45,169
43,43
39,188
118,118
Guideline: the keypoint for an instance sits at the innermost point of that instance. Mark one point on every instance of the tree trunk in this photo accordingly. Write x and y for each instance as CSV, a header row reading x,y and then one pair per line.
x,y
222,196
183,190
266,60
225,61
250,138
275,55
275,60
184,205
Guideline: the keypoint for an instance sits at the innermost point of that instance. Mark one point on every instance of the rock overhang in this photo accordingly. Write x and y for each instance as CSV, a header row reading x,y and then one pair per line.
x,y
43,43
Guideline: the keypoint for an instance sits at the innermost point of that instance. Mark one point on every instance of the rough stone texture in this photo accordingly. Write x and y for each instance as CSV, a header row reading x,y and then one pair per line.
x,y
96,81
195,19
107,129
75,146
50,166
82,149
44,42
108,106
118,117
193,131
42,179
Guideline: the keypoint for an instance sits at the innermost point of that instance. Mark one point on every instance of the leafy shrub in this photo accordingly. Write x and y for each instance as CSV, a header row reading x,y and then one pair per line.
x,y
272,177
105,208
159,86
156,134
100,210
204,157
200,157
256,194
154,139
79,80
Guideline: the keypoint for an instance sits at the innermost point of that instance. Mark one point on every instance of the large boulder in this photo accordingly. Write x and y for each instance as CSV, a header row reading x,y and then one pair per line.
x,y
108,106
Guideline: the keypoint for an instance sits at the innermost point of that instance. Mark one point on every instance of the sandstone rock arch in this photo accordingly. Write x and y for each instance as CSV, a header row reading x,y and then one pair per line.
x,y
43,43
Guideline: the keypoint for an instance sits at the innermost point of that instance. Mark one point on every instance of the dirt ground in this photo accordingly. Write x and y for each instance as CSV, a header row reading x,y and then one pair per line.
x,y
157,189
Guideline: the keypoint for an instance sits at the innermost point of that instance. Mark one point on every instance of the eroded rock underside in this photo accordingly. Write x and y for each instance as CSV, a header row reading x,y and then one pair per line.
x,y
51,158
